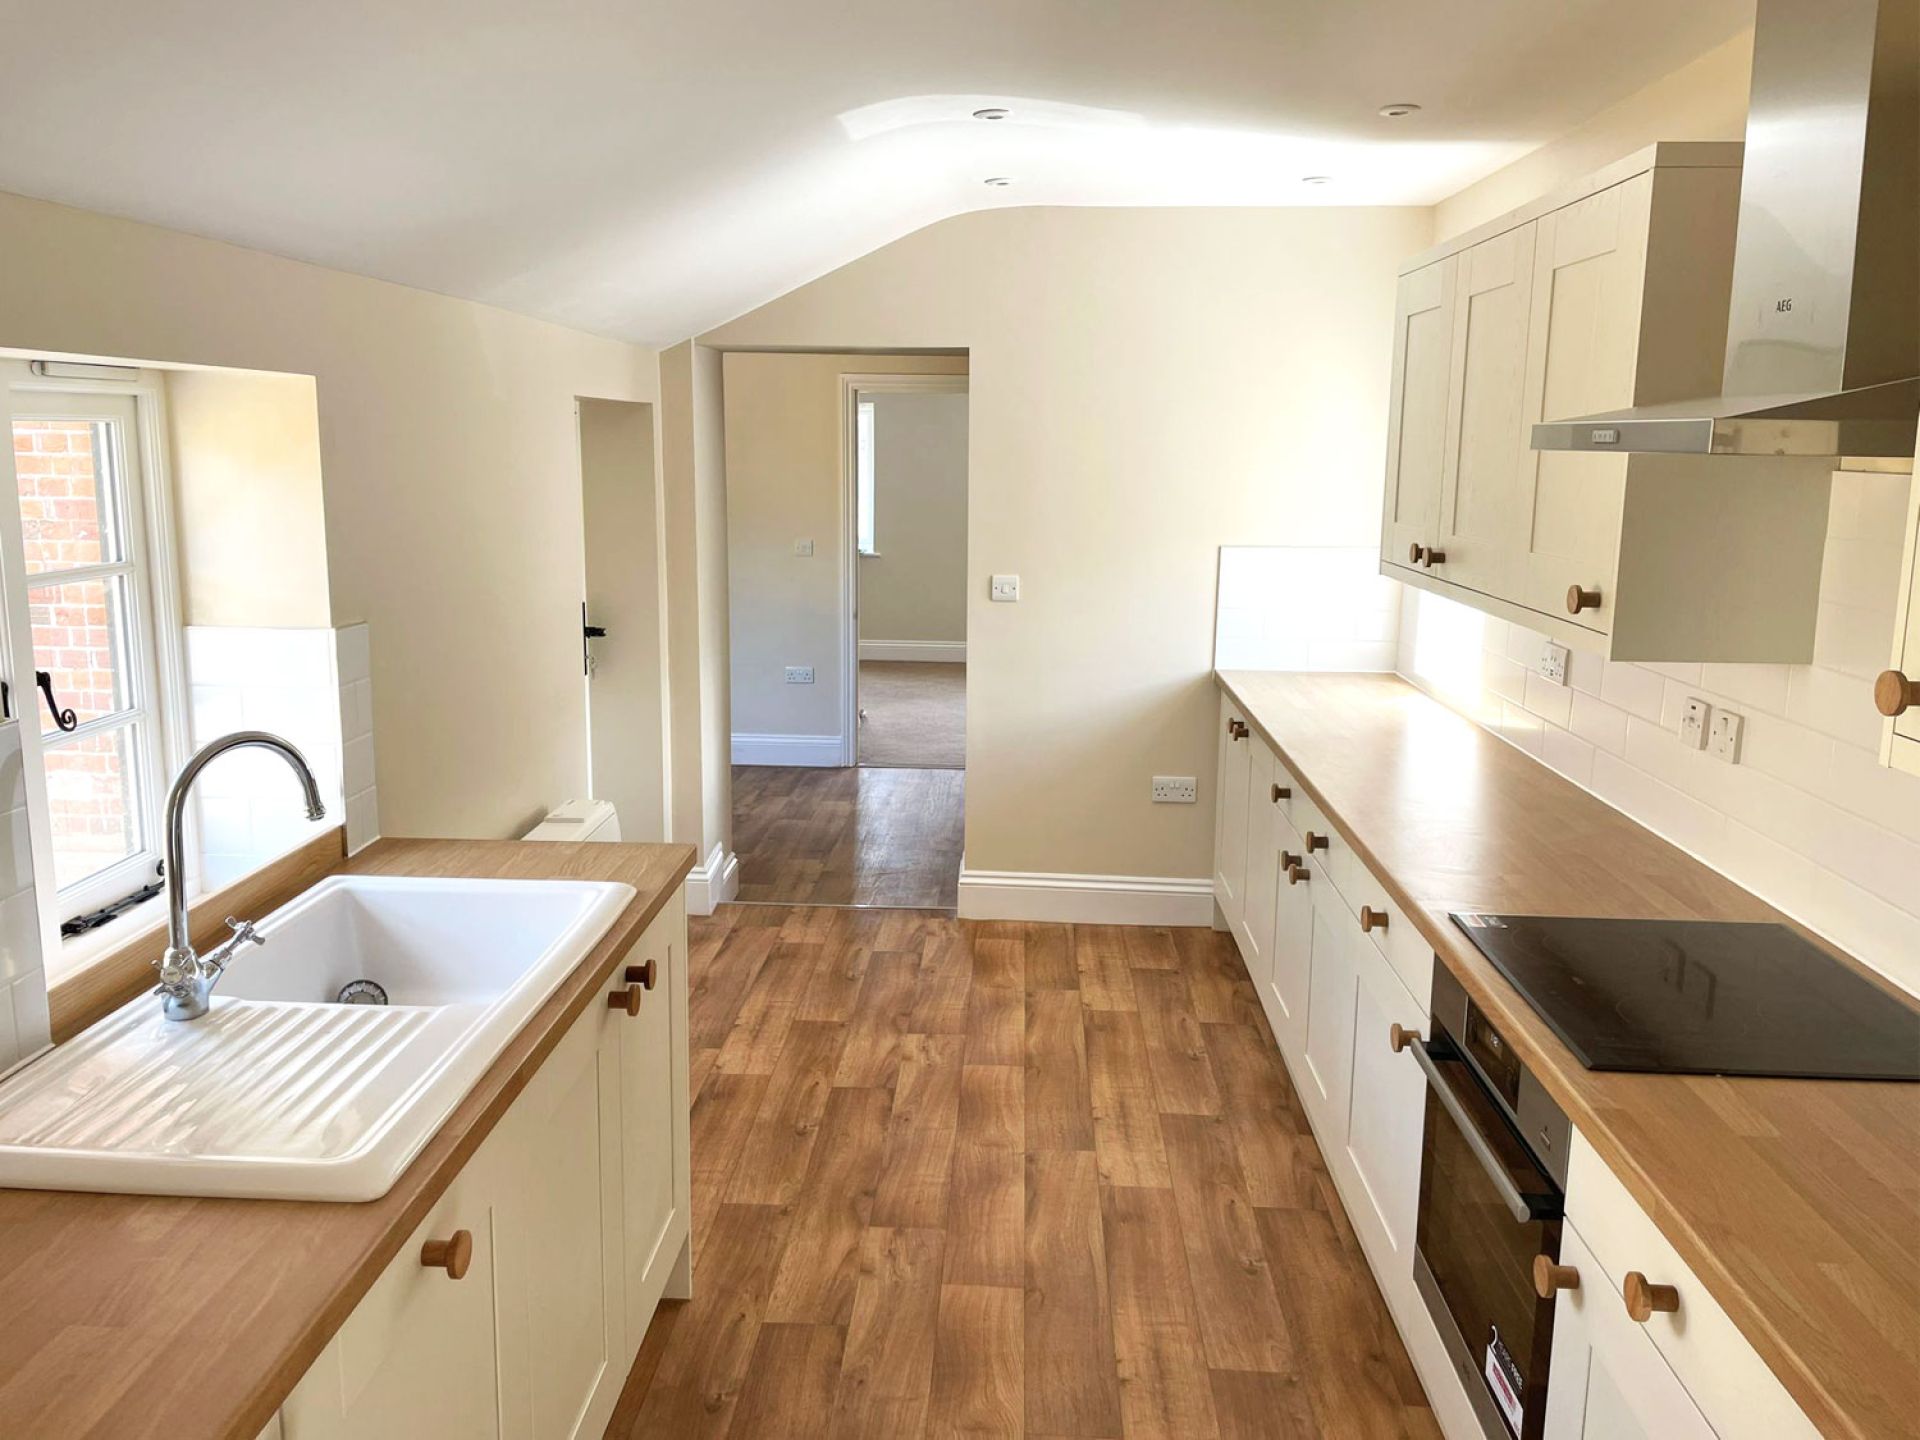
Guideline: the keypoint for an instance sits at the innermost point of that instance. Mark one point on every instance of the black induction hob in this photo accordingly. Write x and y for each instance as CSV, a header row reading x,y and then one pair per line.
x,y
1700,997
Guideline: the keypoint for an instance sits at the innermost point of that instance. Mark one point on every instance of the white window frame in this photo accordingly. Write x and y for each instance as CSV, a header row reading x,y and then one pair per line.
x,y
154,626
866,524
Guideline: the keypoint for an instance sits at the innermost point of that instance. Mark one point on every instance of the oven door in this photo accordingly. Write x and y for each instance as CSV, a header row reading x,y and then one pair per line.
x,y
1486,1210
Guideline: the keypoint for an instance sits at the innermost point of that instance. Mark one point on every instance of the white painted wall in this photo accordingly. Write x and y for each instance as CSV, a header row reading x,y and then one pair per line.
x,y
1145,386
914,591
1808,819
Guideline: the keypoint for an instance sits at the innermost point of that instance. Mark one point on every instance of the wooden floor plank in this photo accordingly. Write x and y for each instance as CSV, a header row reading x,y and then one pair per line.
x,y
1058,1101
1240,1317
979,1366
887,1373
859,835
781,1142
1165,1393
1069,1326
1120,1226
916,1173
1176,1047
1126,1118
814,1284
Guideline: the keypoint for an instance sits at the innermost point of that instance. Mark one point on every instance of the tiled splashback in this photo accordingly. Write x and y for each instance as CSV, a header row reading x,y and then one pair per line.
x,y
1301,607
312,687
23,982
1808,819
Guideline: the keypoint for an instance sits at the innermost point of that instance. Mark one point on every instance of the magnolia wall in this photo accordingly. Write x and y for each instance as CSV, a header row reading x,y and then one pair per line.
x,y
1145,386
451,481
913,591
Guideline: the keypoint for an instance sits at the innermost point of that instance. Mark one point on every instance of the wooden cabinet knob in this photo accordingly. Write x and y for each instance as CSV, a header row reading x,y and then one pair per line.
x,y
1549,1279
1434,557
1289,860
1297,873
1399,1037
1237,729
1894,693
1281,792
1315,842
452,1255
626,998
1371,919
1416,552
643,975
1578,599
1644,1297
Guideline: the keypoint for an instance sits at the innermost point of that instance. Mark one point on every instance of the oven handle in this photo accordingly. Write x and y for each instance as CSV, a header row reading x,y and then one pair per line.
x,y
1476,1142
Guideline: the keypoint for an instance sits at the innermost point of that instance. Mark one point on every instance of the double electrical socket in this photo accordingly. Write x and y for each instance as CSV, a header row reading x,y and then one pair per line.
x,y
799,674
1715,731
1175,790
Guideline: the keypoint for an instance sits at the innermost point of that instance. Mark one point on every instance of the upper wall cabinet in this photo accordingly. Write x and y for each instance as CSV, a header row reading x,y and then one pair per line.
x,y
1611,294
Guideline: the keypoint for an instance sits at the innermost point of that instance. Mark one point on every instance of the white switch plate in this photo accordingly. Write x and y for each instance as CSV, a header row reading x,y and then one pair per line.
x,y
803,547
1723,737
799,674
1005,588
1553,663
1693,724
1175,790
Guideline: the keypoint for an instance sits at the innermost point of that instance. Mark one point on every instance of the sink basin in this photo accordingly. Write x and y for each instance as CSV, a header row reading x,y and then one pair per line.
x,y
280,1091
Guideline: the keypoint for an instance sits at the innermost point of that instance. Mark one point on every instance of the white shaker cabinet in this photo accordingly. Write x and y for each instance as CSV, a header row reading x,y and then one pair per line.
x,y
1263,862
1897,691
1610,294
516,1308
1607,1380
1230,815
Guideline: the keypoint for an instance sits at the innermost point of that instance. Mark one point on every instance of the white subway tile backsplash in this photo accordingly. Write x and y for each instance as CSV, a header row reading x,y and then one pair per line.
x,y
1808,818
1297,607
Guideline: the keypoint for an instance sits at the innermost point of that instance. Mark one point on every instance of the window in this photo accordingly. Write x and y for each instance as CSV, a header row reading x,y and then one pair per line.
x,y
80,606
863,478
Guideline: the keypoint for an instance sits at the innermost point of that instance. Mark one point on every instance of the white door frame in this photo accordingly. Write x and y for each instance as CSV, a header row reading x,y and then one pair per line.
x,y
851,389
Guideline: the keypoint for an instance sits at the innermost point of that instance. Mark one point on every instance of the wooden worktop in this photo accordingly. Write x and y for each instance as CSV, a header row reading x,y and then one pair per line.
x,y
164,1316
1797,1202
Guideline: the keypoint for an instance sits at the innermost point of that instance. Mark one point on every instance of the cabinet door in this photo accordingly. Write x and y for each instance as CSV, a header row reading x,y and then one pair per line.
x,y
1417,409
654,1184
1263,866
561,1316
1607,1380
1230,825
1387,1107
1481,472
417,1357
1590,260
1292,953
1329,1020
1904,742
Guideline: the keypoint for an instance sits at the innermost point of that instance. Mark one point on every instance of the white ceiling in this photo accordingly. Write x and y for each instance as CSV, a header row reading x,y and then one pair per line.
x,y
649,170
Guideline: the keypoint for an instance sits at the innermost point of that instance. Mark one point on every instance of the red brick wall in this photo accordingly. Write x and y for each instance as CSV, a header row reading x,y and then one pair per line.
x,y
73,638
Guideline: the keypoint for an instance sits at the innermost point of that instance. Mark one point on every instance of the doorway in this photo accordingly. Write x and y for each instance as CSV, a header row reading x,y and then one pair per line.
x,y
847,579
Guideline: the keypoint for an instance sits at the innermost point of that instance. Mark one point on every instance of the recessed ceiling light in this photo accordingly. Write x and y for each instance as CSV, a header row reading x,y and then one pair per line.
x,y
1398,110
998,181
992,112
1315,179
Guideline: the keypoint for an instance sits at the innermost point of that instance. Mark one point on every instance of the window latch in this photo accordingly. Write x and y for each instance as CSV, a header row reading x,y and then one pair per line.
x,y
65,719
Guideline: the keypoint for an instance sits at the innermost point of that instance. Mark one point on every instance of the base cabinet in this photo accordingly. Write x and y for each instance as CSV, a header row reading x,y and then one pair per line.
x,y
569,1223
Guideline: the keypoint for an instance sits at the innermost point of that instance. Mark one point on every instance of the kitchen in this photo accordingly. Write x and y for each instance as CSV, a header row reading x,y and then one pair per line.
x,y
1494,1019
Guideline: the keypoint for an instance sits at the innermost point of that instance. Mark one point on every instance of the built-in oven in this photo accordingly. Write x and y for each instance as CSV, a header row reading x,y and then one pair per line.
x,y
1493,1171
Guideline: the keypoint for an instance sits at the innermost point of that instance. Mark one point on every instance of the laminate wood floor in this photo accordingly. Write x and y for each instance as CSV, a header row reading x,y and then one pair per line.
x,y
990,1179
855,836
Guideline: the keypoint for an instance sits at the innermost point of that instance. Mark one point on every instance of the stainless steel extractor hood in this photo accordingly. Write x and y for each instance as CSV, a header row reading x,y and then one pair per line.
x,y
1823,339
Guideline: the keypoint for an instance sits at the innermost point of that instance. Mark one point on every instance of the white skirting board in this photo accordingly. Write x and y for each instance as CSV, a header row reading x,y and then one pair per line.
x,y
948,651
1084,899
815,750
713,882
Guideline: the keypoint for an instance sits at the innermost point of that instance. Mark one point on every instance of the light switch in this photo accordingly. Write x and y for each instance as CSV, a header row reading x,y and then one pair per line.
x,y
803,547
1723,737
1006,589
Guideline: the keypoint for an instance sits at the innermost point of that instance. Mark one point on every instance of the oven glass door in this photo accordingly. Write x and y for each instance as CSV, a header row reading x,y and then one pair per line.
x,y
1486,1210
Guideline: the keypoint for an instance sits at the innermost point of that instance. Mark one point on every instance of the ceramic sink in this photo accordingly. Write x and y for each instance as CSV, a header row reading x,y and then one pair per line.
x,y
281,1091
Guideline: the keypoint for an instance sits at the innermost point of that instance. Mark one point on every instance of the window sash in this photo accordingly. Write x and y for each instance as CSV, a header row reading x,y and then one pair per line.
x,y
864,478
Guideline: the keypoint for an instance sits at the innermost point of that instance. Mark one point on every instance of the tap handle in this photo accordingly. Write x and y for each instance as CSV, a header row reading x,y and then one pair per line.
x,y
243,931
